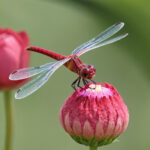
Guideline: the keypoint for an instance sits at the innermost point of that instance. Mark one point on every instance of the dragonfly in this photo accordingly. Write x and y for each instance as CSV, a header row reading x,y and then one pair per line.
x,y
85,72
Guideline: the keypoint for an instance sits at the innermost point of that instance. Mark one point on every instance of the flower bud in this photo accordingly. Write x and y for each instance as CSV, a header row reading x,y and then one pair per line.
x,y
13,55
94,115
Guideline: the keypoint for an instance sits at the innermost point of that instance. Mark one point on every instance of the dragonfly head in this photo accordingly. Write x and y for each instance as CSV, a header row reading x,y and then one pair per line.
x,y
88,72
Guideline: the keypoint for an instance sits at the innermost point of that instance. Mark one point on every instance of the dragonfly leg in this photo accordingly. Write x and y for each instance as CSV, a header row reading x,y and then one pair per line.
x,y
84,81
93,81
74,83
78,84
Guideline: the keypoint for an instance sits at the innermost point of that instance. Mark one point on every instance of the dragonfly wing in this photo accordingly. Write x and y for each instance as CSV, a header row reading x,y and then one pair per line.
x,y
36,83
102,44
29,72
101,37
33,85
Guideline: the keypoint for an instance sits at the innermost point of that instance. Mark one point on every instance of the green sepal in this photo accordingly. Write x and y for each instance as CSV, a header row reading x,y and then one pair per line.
x,y
93,142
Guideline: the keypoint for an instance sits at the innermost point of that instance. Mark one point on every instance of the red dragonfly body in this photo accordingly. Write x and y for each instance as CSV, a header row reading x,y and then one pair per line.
x,y
74,64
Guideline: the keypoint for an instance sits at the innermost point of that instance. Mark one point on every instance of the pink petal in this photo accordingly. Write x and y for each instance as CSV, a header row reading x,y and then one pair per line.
x,y
67,124
77,127
99,130
87,130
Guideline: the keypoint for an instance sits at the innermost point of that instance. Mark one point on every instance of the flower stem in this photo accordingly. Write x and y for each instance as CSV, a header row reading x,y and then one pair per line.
x,y
93,148
9,112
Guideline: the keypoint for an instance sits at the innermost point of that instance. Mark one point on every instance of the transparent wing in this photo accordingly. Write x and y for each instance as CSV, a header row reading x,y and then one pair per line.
x,y
101,37
102,44
29,72
36,83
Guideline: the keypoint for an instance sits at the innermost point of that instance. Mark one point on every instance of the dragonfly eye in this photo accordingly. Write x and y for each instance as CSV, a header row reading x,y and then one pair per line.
x,y
91,67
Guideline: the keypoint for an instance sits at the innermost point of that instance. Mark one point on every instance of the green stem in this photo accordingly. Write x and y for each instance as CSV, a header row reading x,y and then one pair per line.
x,y
93,148
8,102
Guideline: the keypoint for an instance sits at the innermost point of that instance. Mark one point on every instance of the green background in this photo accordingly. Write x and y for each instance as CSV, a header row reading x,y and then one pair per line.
x,y
60,26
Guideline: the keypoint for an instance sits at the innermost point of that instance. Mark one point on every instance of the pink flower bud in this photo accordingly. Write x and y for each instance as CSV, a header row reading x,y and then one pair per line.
x,y
13,55
94,115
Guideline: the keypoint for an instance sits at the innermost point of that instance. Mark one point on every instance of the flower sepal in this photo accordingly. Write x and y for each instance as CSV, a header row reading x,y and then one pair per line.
x,y
93,142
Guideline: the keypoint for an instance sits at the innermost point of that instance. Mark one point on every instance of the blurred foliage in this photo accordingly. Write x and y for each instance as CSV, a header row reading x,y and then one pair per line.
x,y
61,25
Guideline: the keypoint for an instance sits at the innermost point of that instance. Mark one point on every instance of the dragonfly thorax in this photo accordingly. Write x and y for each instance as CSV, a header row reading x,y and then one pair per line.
x,y
88,72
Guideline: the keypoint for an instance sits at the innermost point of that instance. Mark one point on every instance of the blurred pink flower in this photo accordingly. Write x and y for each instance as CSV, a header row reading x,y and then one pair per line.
x,y
94,115
13,55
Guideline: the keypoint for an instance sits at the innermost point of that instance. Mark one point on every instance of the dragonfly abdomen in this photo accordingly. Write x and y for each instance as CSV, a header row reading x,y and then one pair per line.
x,y
46,52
